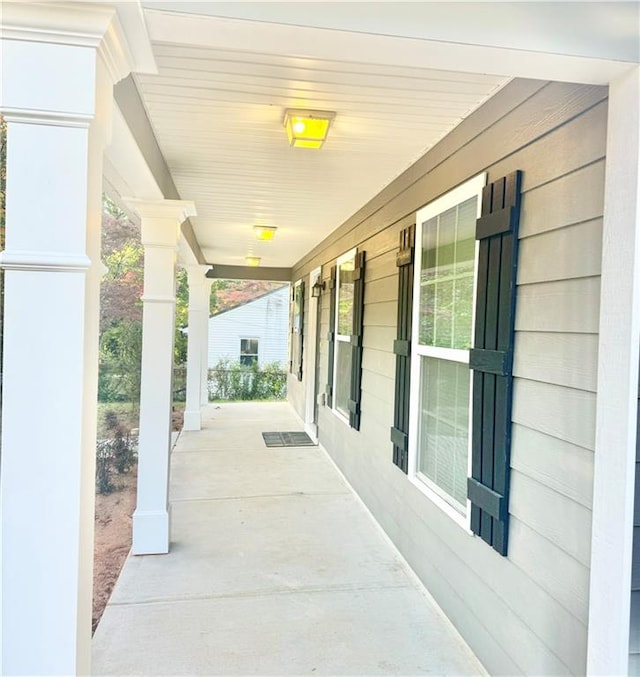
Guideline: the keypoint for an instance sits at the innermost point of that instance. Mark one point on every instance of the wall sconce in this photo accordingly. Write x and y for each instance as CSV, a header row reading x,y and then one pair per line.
x,y
317,289
307,128
265,232
253,261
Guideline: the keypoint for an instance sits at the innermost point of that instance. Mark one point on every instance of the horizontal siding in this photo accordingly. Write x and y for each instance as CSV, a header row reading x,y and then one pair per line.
x,y
527,613
539,507
562,305
559,465
569,252
266,319
380,314
564,202
559,358
564,413
567,582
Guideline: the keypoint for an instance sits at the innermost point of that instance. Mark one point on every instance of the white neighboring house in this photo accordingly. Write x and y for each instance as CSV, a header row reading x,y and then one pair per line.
x,y
256,331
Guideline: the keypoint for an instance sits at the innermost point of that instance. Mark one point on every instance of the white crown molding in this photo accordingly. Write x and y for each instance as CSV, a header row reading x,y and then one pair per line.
x,y
49,118
162,209
345,45
41,261
117,31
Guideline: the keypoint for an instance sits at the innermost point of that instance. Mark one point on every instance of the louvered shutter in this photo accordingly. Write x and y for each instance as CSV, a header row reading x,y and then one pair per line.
x,y
300,331
356,342
491,360
331,336
402,348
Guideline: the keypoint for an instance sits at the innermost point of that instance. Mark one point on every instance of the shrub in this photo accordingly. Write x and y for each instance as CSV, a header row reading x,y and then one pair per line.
x,y
235,381
115,454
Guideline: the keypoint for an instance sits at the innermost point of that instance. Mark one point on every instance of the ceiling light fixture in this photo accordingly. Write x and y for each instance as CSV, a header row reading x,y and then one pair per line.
x,y
253,261
265,232
307,128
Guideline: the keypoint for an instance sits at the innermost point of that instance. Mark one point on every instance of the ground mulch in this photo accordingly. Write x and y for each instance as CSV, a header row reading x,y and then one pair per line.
x,y
113,519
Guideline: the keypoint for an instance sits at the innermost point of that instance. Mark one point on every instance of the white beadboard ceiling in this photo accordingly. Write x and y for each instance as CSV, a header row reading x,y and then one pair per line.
x,y
217,114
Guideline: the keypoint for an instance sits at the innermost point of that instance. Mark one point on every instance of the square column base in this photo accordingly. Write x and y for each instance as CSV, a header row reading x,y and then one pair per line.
x,y
192,420
151,531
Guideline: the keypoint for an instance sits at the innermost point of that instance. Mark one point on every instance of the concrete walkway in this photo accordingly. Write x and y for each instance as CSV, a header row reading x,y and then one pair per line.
x,y
275,569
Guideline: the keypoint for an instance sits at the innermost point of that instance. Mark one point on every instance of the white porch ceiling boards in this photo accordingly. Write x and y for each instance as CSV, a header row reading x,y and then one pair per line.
x,y
217,114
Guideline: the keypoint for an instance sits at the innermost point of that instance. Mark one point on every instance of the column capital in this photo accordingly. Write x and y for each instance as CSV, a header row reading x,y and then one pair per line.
x,y
161,219
197,274
179,210
117,32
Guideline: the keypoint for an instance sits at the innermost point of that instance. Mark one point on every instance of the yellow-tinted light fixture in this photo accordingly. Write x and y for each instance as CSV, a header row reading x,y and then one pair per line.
x,y
307,128
265,232
253,261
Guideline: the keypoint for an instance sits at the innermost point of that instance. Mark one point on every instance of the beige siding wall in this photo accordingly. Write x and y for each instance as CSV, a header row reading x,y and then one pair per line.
x,y
526,613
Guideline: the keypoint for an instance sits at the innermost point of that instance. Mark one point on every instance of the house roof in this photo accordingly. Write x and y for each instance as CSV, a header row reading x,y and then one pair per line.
x,y
249,301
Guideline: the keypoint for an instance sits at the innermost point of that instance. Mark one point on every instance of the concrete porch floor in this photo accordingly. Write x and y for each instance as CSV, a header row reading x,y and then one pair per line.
x,y
275,568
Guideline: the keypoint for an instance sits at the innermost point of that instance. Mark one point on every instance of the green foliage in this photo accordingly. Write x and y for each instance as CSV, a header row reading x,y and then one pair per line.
x,y
115,454
121,263
120,356
182,317
235,381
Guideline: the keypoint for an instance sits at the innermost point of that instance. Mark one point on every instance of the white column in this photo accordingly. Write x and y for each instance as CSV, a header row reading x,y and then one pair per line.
x,y
56,98
619,344
198,322
161,221
204,361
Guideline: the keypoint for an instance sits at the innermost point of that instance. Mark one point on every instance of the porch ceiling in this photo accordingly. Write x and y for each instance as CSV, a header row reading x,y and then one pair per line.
x,y
399,76
217,115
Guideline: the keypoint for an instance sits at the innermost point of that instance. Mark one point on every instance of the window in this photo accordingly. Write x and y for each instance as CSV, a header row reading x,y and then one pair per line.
x,y
249,352
444,279
344,329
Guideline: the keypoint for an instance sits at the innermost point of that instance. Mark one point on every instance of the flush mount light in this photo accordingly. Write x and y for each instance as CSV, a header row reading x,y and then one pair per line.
x,y
265,232
307,128
253,261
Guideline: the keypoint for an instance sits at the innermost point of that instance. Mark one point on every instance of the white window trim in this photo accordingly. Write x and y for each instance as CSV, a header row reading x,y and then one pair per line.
x,y
347,256
257,354
467,190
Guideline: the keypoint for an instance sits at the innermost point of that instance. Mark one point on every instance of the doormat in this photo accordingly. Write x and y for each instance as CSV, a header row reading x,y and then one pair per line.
x,y
288,439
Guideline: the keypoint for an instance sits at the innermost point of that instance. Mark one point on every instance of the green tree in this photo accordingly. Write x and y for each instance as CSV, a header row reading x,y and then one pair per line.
x,y
182,317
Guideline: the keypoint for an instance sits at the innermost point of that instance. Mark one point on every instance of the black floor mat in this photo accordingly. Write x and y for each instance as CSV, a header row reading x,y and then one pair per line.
x,y
288,439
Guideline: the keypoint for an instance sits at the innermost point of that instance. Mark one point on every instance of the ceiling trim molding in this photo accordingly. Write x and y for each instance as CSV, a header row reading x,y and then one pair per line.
x,y
341,45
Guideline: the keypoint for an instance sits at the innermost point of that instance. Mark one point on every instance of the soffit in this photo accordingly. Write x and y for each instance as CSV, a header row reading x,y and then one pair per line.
x,y
217,103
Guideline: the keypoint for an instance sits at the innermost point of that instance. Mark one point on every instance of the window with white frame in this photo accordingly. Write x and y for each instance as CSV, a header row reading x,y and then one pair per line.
x,y
444,294
344,328
249,351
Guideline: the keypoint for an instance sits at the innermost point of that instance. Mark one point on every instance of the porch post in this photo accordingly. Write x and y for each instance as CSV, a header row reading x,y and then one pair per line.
x,y
619,345
161,221
57,71
197,338
204,360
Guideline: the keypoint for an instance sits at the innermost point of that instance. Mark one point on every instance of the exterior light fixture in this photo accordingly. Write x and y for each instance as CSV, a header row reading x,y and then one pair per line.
x,y
265,232
317,289
307,128
253,261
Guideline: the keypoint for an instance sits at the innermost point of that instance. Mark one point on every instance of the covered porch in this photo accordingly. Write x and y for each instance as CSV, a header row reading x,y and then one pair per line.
x,y
275,567
177,109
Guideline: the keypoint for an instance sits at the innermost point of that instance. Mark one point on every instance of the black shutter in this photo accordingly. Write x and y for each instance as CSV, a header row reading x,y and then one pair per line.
x,y
356,342
491,360
300,331
331,335
402,348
